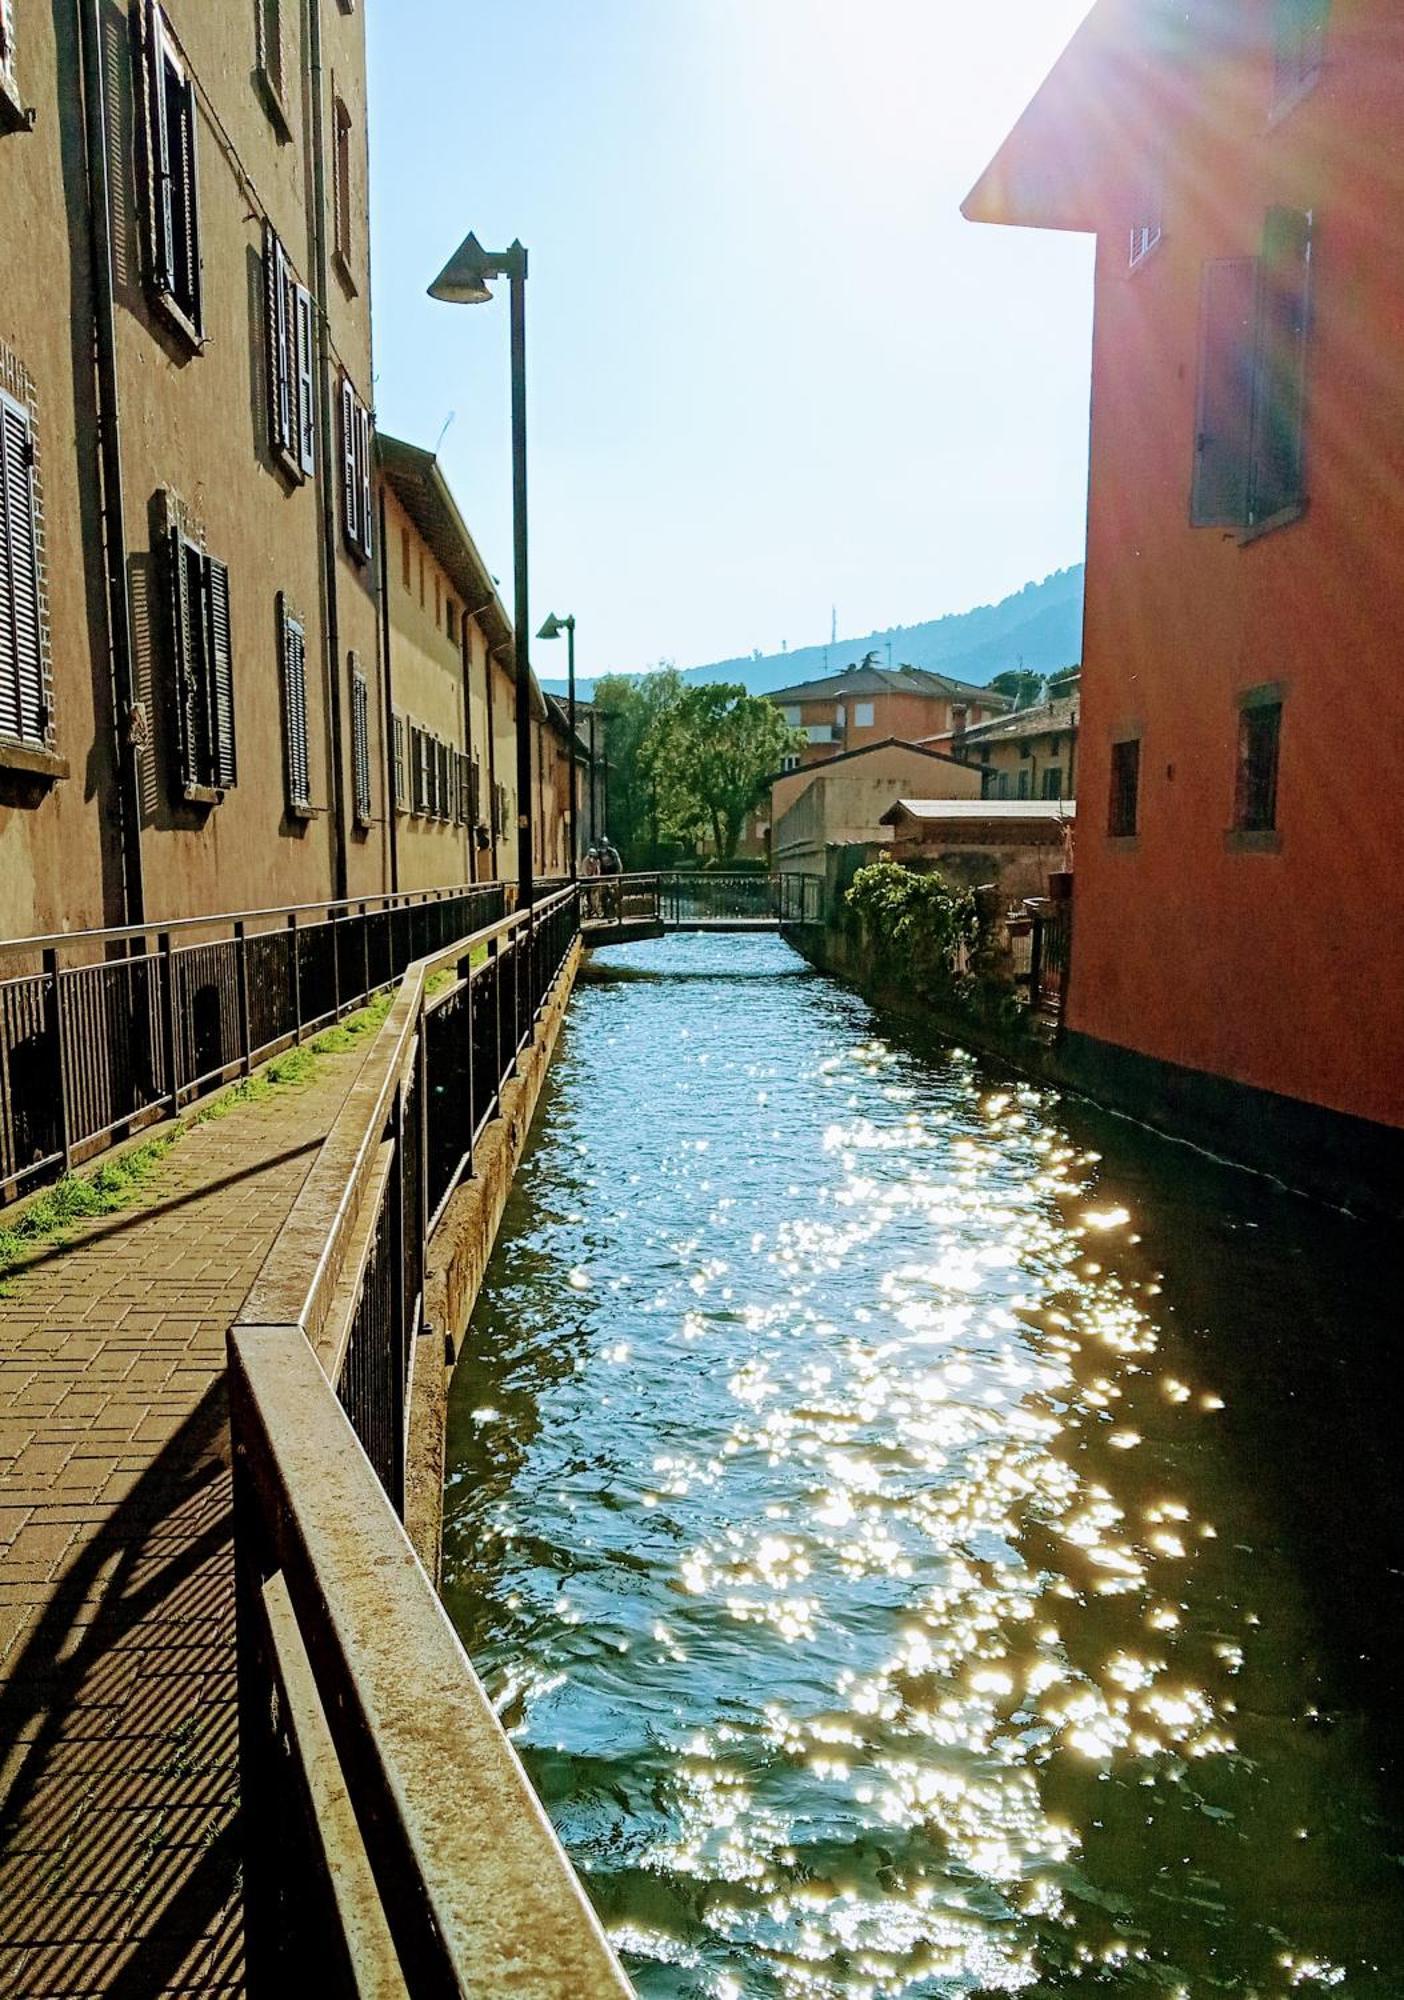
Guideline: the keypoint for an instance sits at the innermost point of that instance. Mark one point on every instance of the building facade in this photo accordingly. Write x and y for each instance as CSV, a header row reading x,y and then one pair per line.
x,y
190,708
1031,754
1238,889
841,803
866,704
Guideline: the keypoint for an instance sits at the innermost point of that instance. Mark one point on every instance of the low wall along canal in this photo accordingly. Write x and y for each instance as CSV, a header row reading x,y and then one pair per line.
x,y
927,1537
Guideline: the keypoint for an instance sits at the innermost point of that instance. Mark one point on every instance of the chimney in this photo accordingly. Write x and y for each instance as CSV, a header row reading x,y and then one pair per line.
x,y
959,711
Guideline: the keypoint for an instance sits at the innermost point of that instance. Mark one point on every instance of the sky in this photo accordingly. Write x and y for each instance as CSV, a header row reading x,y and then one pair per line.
x,y
772,371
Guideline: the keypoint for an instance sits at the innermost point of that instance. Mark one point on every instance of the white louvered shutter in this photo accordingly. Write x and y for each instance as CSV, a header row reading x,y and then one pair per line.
x,y
350,476
275,297
363,445
158,151
299,774
7,45
23,709
224,761
306,383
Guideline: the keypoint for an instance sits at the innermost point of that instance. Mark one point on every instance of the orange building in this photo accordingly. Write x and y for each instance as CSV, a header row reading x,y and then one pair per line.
x,y
1237,965
865,705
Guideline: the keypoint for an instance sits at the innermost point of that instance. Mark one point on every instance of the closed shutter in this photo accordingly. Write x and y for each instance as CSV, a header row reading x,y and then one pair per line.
x,y
7,45
350,475
23,707
275,294
360,743
397,753
475,791
221,661
363,438
158,149
184,687
306,382
1225,418
299,775
186,209
1279,398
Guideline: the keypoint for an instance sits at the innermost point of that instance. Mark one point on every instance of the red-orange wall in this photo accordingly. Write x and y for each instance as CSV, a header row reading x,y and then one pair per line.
x,y
1284,970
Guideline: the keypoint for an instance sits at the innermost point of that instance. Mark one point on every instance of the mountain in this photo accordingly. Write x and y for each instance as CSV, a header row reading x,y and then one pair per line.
x,y
1040,625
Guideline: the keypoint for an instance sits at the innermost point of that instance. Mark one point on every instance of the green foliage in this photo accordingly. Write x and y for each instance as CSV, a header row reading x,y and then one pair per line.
x,y
633,709
919,929
1023,688
711,755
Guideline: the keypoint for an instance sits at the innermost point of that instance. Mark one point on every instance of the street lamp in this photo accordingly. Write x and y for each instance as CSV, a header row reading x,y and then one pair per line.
x,y
553,629
464,282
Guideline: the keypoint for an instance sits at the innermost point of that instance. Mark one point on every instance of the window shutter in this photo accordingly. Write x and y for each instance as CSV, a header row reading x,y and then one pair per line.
x,y
1279,390
306,383
23,707
182,659
187,206
1225,418
221,657
364,445
350,477
7,44
360,743
397,752
158,149
276,306
299,775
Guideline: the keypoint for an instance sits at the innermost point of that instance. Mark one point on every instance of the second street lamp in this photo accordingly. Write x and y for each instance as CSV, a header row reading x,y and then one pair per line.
x,y
553,629
464,281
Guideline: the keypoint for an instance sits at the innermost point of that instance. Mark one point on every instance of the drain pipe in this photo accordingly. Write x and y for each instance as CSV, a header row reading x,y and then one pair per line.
x,y
321,284
392,804
126,715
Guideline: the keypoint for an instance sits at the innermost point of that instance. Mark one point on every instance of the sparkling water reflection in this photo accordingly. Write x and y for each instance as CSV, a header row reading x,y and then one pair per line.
x,y
881,1586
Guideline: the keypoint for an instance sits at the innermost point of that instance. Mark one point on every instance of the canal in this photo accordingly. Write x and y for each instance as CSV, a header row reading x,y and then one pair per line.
x,y
925,1536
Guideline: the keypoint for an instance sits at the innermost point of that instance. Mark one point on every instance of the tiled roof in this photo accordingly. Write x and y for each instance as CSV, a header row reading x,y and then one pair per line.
x,y
858,680
1046,718
980,809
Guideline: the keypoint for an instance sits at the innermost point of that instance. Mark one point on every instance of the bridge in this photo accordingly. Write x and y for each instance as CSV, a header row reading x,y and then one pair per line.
x,y
629,909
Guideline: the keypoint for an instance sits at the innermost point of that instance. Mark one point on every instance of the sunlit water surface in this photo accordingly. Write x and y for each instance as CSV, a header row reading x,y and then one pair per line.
x,y
898,1579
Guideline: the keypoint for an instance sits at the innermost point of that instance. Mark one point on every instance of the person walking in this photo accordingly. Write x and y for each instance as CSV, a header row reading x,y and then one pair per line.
x,y
612,868
590,871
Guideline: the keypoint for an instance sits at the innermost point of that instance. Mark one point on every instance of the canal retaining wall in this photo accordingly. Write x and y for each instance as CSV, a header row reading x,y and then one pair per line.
x,y
457,1259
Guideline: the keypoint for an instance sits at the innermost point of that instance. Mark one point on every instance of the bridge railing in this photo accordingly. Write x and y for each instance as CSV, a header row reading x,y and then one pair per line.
x,y
393,1844
800,899
105,1031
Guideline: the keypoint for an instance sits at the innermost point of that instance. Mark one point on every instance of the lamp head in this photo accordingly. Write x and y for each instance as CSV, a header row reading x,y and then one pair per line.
x,y
463,280
552,629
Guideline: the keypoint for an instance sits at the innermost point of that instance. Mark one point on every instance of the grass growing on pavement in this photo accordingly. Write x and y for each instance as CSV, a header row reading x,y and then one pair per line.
x,y
50,1217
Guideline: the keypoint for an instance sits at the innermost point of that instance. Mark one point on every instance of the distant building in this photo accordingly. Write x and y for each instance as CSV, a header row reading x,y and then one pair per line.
x,y
1031,754
842,802
1236,963
867,704
1015,843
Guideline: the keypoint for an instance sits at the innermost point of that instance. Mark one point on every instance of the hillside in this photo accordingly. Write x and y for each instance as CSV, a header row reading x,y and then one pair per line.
x,y
1040,624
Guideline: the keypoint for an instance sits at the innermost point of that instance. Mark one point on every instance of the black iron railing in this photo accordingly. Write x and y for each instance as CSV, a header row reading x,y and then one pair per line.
x,y
102,1032
697,901
392,1842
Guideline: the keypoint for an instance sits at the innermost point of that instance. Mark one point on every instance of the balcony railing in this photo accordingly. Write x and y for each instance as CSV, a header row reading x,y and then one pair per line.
x,y
104,1032
393,1844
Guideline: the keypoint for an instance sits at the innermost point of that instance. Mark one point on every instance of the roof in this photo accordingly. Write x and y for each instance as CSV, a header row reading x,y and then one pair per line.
x,y
868,750
1045,718
1093,125
955,811
417,480
857,680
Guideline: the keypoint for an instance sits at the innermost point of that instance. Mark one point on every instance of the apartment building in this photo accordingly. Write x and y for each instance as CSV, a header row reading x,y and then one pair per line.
x,y
190,701
1238,886
1030,754
867,704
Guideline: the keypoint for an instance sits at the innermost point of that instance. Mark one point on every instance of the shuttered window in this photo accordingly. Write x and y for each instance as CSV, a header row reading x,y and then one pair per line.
x,y
464,791
444,756
9,84
166,102
419,761
356,499
360,743
203,668
292,375
24,698
268,15
342,200
397,762
1124,806
1259,736
296,745
475,792
1250,445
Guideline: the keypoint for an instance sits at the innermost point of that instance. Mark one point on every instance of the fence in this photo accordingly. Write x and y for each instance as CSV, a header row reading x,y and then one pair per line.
x,y
392,1842
697,901
1040,939
103,1031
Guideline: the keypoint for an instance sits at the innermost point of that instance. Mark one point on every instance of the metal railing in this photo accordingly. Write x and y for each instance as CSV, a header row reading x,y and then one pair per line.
x,y
687,901
103,1032
1040,940
393,1844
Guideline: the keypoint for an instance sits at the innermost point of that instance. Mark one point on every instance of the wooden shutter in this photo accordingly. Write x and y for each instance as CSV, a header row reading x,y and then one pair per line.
x,y
350,476
158,148
306,382
1228,319
23,705
363,446
184,686
225,761
397,772
275,293
294,648
7,44
189,287
1279,388
360,743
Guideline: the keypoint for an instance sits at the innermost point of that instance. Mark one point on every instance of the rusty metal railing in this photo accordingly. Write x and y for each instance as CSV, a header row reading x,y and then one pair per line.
x,y
393,1844
104,1032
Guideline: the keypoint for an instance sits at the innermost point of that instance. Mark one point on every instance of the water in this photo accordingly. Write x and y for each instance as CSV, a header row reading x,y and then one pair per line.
x,y
928,1538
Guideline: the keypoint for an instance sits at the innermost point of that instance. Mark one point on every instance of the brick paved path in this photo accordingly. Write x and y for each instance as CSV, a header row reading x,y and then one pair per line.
x,y
118,1770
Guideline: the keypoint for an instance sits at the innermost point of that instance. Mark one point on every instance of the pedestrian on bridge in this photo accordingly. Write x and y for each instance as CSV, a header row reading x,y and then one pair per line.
x,y
612,866
590,870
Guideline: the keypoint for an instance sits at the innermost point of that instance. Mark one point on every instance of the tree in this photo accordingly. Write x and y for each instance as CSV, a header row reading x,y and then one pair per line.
x,y
711,753
1023,687
632,707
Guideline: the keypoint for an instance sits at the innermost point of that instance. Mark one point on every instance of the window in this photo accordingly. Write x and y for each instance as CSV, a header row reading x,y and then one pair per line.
x,y
406,570
1002,782
166,99
356,501
451,620
1148,216
443,794
360,743
203,661
793,716
438,602
296,746
268,19
419,770
467,791
475,792
397,762
11,110
1300,48
1124,807
25,715
292,374
1249,444
1025,782
1052,781
1259,735
790,761
863,715
840,717
341,185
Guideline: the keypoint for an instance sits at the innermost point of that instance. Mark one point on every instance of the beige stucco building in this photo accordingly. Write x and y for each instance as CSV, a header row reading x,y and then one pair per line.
x,y
842,802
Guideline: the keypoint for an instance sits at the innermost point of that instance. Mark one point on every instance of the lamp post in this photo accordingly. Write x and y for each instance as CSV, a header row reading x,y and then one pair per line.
x,y
464,282
553,629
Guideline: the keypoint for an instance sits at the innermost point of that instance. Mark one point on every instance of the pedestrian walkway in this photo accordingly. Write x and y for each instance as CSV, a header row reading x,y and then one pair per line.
x,y
118,1857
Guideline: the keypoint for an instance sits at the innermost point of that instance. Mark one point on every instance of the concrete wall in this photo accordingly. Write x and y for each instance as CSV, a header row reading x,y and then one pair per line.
x,y
816,809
